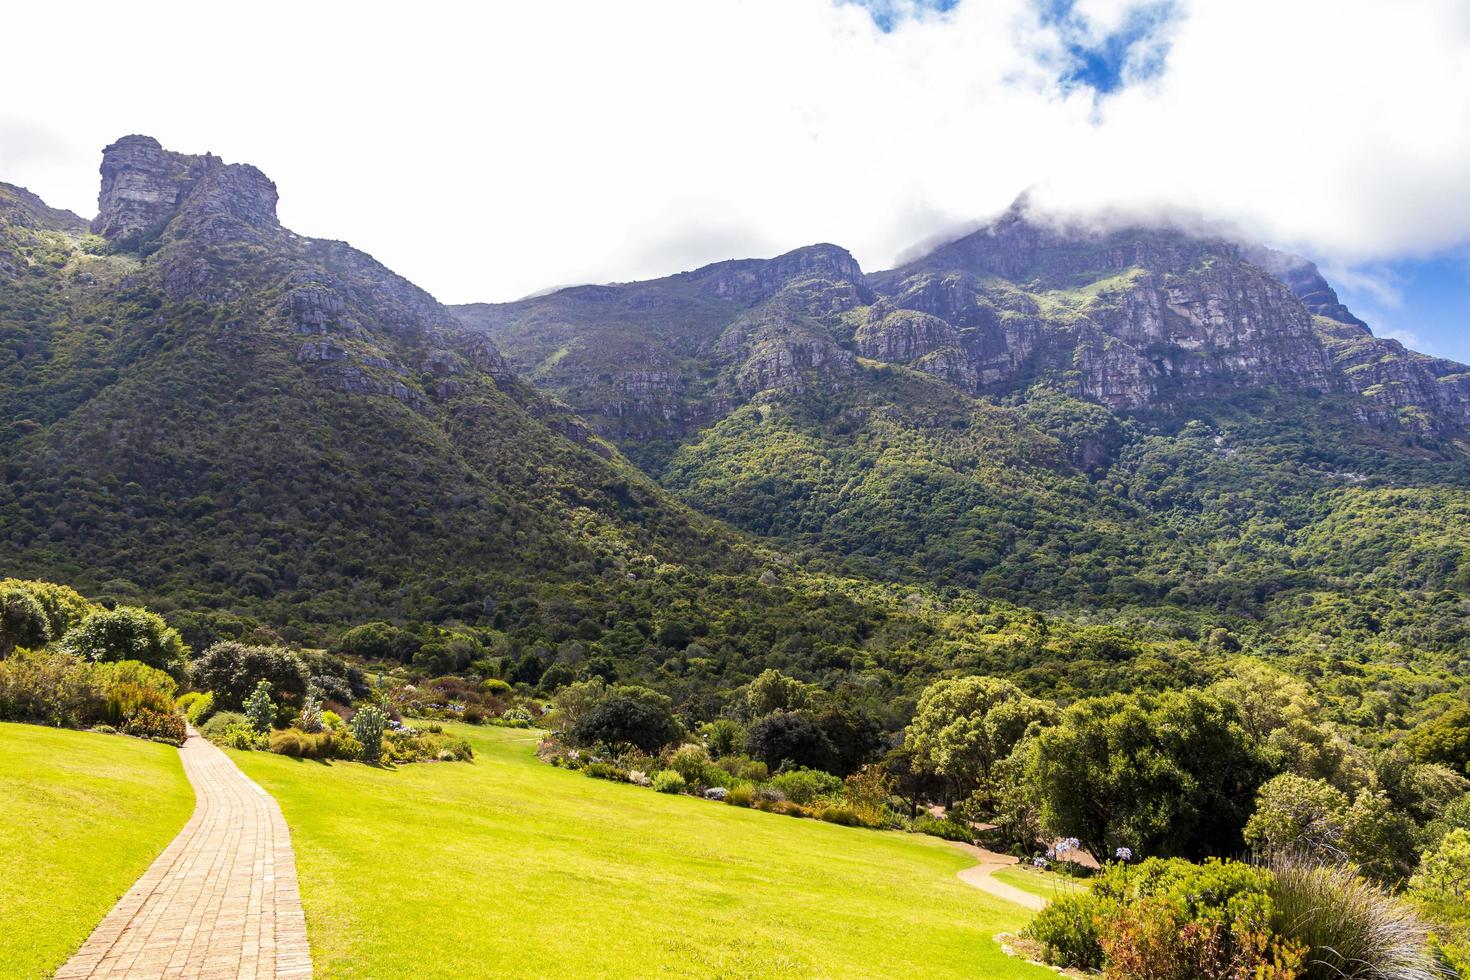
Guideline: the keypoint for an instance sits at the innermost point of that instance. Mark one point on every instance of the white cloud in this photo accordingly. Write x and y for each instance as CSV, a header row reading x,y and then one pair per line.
x,y
486,151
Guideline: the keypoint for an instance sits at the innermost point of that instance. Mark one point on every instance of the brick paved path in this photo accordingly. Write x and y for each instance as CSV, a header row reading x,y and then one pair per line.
x,y
220,901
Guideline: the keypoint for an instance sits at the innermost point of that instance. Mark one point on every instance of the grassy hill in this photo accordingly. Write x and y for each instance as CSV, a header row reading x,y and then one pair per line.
x,y
510,867
85,814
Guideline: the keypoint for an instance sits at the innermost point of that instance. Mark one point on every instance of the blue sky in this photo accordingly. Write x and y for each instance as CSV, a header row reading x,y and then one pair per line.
x,y
1426,306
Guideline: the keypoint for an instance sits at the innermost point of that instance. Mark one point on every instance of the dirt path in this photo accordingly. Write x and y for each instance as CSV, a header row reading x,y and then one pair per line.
x,y
220,901
982,876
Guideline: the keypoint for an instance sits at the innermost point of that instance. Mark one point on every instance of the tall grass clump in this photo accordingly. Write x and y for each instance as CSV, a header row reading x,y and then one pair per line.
x,y
1350,927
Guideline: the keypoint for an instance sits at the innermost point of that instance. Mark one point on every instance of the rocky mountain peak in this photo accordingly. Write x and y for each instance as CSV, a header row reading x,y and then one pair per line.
x,y
144,186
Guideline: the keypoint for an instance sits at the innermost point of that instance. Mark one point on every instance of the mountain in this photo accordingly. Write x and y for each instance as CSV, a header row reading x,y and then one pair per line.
x,y
1047,413
209,411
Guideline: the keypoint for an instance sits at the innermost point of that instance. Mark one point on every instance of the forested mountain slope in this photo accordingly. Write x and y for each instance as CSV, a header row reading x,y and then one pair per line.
x,y
1050,414
204,408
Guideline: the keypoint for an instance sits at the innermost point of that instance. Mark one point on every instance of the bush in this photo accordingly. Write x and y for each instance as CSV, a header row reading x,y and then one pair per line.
x,y
1067,932
127,633
841,814
690,761
51,688
805,785
742,795
669,781
368,725
1167,918
230,729
259,708
197,710
232,670
790,737
23,621
303,745
755,772
947,829
723,736
219,722
160,726
1350,927
134,672
605,770
64,606
126,700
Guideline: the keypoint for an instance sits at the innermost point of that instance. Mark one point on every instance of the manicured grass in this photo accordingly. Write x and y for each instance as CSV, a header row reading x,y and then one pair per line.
x,y
509,867
1045,884
81,816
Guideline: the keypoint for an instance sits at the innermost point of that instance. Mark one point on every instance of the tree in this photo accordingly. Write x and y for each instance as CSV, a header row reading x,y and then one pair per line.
x,y
1445,739
231,670
1444,871
964,726
774,691
378,641
791,738
628,717
575,700
854,734
23,621
127,633
1298,816
1172,774
723,736
64,606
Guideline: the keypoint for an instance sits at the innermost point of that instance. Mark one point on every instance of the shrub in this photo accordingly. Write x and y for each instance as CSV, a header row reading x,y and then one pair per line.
x,y
1167,918
232,670
51,688
1350,927
218,722
805,785
64,606
126,700
23,621
127,633
368,725
755,772
669,781
259,708
840,814
742,795
160,726
605,770
345,744
311,713
723,736
690,761
946,828
303,745
1067,931
199,706
233,730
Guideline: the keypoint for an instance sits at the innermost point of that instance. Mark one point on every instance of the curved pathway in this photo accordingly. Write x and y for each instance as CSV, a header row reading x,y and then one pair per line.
x,y
981,876
220,901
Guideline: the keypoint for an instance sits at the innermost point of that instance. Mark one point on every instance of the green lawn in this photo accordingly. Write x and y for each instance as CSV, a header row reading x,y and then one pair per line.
x,y
509,867
1045,884
81,817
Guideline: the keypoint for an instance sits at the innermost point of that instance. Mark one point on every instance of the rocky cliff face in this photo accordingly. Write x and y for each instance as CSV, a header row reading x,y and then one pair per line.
x,y
144,186
1133,319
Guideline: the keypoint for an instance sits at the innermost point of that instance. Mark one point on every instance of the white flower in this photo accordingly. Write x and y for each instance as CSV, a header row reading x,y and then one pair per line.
x,y
1124,854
